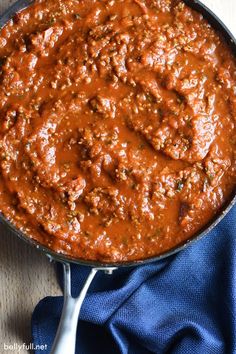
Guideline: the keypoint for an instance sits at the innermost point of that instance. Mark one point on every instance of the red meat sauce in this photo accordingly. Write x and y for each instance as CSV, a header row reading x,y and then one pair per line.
x,y
117,126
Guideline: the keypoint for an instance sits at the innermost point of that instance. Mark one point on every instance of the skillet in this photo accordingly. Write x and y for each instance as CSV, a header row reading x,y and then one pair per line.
x,y
66,335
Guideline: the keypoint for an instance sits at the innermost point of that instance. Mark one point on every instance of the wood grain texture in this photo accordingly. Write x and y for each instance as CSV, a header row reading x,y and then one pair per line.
x,y
26,276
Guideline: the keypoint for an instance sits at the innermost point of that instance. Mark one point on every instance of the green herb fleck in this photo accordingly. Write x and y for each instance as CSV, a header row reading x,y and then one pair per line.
x,y
180,186
125,241
77,16
211,176
51,21
189,121
160,112
142,146
158,232
149,97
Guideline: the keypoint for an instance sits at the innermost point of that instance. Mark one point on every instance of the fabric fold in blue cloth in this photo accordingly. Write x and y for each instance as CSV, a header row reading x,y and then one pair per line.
x,y
183,304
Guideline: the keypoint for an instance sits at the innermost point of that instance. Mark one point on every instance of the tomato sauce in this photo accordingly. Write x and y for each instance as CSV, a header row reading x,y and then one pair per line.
x,y
117,119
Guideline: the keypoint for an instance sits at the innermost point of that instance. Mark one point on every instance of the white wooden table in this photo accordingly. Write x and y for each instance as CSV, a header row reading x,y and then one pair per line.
x,y
25,275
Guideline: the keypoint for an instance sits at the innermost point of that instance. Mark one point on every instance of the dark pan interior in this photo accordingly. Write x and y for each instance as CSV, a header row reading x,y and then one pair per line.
x,y
227,35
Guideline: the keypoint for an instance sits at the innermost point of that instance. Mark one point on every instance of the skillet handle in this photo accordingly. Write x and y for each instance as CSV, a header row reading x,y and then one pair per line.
x,y
65,340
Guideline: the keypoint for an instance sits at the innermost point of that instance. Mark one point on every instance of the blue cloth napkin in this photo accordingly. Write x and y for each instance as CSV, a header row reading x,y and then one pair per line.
x,y
184,304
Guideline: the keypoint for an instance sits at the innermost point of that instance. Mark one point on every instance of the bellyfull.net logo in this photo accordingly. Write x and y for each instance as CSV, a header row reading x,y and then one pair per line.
x,y
18,348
